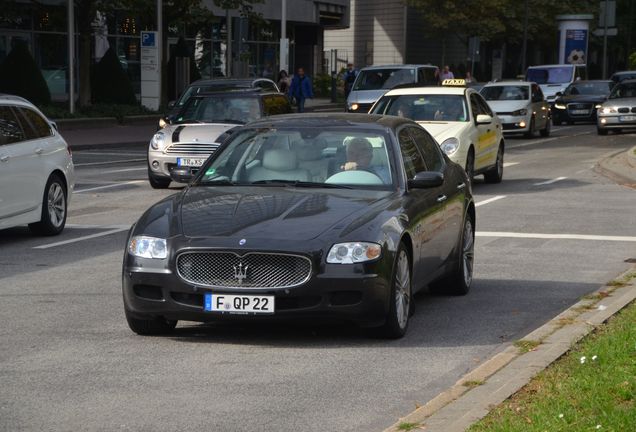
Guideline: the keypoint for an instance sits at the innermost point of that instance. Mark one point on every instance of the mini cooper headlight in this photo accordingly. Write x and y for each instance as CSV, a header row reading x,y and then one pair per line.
x,y
148,247
559,106
608,110
350,253
450,146
157,140
162,123
520,112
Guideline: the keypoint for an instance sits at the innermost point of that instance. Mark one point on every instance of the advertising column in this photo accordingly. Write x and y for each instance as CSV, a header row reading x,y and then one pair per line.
x,y
573,38
150,92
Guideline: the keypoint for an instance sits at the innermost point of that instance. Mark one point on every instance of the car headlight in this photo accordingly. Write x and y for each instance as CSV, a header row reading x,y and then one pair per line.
x,y
162,123
608,110
354,107
520,112
157,140
350,253
450,146
148,247
559,106
599,106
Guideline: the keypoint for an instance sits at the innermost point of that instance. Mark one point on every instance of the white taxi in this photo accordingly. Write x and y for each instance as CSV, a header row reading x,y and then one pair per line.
x,y
458,118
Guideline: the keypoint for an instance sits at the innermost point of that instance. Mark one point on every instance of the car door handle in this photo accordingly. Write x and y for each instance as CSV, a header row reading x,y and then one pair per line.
x,y
39,150
461,186
441,198
4,158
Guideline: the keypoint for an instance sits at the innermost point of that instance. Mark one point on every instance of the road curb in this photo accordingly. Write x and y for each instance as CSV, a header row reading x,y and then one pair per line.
x,y
476,393
604,168
631,156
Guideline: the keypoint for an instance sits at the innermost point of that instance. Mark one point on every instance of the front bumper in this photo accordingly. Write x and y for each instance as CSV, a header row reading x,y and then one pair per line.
x,y
161,164
614,121
569,114
514,124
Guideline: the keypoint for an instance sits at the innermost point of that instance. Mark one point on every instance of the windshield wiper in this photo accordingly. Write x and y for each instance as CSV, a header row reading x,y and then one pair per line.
x,y
298,183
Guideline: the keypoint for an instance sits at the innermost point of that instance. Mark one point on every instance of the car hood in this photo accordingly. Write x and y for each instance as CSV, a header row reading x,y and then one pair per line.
x,y
550,90
444,130
365,96
275,213
508,105
204,132
621,102
582,98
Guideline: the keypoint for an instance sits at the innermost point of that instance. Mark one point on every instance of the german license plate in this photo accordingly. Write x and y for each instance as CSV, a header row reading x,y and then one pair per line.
x,y
580,112
627,118
191,162
239,304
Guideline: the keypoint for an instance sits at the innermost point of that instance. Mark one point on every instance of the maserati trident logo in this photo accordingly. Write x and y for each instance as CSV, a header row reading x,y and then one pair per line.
x,y
240,272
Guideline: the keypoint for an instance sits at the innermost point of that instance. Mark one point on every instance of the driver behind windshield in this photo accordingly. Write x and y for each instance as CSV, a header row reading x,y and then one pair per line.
x,y
359,156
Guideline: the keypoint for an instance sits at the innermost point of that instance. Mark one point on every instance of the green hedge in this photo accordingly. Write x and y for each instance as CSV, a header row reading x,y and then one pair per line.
x,y
20,75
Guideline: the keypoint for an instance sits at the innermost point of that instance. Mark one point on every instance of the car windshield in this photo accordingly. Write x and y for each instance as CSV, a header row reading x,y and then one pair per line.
x,y
589,88
194,90
624,90
328,157
377,79
550,75
506,92
220,109
447,108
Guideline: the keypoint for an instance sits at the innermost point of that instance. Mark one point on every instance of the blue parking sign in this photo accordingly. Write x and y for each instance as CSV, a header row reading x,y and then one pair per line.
x,y
148,39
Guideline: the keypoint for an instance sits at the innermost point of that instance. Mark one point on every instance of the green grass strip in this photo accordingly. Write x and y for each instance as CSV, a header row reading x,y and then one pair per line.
x,y
592,387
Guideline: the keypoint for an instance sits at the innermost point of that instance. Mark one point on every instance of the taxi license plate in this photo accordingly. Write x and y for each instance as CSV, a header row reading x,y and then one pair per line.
x,y
580,112
627,118
239,304
191,162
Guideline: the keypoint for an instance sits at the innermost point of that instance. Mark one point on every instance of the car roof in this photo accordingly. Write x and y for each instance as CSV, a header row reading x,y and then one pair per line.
x,y
398,66
509,82
627,72
247,82
628,81
322,120
244,92
430,90
552,65
593,81
4,97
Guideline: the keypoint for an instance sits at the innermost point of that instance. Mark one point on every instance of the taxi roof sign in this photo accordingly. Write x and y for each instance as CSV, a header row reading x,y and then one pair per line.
x,y
456,82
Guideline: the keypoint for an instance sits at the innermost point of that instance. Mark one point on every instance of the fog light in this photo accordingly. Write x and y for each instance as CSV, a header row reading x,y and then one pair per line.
x,y
603,121
155,164
522,124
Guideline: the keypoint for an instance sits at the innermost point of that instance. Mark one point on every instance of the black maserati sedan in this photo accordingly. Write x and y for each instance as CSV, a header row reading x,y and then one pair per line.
x,y
333,216
580,101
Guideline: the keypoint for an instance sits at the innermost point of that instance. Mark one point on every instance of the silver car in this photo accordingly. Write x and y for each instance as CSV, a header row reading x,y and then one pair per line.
x,y
619,111
201,126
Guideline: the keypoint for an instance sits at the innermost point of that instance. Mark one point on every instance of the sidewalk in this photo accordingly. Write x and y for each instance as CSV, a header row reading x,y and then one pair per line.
x,y
97,133
620,167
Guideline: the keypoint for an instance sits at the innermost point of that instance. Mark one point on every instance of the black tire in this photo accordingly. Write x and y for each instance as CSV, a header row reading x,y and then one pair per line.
x,y
495,174
545,132
150,327
401,297
530,133
158,182
459,280
470,164
601,131
54,208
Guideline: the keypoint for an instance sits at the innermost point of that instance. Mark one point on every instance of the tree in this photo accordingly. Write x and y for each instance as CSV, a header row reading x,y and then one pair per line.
x,y
19,75
110,81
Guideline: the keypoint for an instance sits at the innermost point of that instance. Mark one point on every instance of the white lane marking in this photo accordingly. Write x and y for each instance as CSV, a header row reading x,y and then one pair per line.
x,y
555,236
79,239
109,186
509,164
533,142
124,170
550,181
108,162
82,226
489,200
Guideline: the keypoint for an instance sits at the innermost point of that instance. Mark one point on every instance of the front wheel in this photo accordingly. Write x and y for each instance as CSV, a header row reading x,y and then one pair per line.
x,y
54,208
157,182
530,133
397,320
458,281
545,132
470,164
495,174
151,326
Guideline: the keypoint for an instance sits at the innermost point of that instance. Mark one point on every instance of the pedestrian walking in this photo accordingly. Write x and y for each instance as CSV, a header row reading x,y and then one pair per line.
x,y
301,89
349,77
446,74
283,81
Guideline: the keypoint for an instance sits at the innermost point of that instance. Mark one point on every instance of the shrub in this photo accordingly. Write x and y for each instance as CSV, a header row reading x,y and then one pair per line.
x,y
20,75
632,61
110,83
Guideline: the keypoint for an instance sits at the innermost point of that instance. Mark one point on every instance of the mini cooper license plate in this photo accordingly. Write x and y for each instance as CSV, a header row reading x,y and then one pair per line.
x,y
239,304
627,118
190,162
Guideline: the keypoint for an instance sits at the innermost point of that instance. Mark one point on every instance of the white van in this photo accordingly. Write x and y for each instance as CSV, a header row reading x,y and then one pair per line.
x,y
554,79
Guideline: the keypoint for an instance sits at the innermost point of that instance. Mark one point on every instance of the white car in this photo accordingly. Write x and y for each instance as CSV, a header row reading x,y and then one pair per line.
x,y
619,111
36,169
458,118
520,106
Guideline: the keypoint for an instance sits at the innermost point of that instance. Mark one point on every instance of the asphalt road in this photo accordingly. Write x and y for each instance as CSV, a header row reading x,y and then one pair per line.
x,y
69,362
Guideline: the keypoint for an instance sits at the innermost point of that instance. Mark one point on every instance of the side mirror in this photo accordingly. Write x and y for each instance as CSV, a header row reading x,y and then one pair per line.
x,y
181,175
426,179
483,119
171,104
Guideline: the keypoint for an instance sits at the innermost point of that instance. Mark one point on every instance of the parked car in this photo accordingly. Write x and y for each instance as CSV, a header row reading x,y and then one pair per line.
x,y
201,125
555,78
622,76
372,82
619,111
36,169
338,216
459,118
579,101
219,84
520,106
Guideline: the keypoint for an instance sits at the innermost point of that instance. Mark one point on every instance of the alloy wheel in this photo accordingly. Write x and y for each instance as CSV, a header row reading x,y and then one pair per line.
x,y
56,204
402,289
468,252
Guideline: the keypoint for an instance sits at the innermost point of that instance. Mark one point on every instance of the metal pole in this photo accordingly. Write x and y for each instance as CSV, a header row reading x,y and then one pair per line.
x,y
605,40
228,42
525,38
71,56
160,48
284,46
